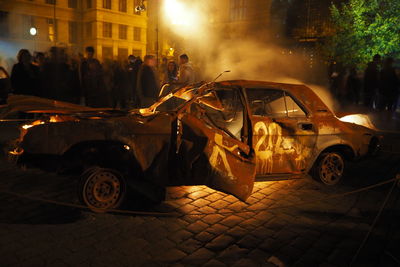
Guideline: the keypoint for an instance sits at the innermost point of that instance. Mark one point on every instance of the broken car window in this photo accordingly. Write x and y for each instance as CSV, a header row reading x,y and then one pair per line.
x,y
273,103
230,117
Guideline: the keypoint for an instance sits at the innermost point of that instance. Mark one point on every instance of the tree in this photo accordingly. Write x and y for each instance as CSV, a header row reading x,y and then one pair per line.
x,y
364,28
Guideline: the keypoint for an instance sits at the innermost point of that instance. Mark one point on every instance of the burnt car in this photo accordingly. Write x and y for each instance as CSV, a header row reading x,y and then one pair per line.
x,y
222,134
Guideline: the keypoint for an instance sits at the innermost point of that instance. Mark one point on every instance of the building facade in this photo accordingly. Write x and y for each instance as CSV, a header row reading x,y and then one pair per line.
x,y
113,27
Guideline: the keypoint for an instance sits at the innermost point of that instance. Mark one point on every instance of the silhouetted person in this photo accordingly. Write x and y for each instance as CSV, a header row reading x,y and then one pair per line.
x,y
163,70
133,67
39,60
93,88
5,85
148,85
353,86
389,86
122,89
186,72
371,81
59,81
171,78
25,75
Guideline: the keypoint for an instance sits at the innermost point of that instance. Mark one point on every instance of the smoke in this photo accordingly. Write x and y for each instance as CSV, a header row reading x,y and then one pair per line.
x,y
213,51
8,52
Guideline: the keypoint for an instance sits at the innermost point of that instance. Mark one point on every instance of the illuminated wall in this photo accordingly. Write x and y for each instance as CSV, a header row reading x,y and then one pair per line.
x,y
112,26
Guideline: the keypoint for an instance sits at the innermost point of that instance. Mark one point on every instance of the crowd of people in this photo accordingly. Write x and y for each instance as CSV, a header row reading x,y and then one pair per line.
x,y
125,84
377,88
133,83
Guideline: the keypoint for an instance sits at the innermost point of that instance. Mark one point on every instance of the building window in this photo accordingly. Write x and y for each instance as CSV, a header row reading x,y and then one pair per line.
x,y
238,10
89,4
51,23
4,29
123,32
137,34
136,3
137,52
88,29
73,32
107,29
73,3
51,2
122,53
122,6
107,4
107,52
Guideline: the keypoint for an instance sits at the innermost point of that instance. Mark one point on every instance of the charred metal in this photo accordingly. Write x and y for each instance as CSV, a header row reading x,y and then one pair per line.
x,y
223,134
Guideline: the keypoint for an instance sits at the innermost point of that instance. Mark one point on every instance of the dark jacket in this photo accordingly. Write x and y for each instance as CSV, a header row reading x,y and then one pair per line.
x,y
147,86
371,79
389,82
25,80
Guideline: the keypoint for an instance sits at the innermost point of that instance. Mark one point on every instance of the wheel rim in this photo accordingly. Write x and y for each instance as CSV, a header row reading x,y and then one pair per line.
x,y
103,189
331,169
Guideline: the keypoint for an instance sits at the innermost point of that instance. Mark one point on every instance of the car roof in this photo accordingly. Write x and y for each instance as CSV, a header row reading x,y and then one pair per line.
x,y
304,94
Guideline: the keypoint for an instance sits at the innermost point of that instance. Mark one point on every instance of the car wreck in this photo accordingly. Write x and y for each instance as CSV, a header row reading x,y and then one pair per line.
x,y
224,135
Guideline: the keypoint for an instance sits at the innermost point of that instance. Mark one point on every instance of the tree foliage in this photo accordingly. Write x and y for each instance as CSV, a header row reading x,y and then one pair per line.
x,y
364,28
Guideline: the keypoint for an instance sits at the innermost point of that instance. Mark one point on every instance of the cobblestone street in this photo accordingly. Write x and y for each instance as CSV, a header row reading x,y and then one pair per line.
x,y
283,223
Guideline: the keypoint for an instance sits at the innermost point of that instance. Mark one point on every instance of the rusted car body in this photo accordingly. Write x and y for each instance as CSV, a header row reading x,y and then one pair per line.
x,y
221,134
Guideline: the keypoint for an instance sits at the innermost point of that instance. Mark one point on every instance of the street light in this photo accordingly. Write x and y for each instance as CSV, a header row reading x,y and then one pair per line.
x,y
33,31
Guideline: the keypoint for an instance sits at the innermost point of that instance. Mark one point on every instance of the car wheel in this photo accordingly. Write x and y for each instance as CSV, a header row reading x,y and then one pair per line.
x,y
102,189
329,168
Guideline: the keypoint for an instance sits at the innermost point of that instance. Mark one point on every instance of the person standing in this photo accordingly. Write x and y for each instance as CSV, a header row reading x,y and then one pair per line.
x,y
93,88
147,84
389,86
134,64
4,85
58,78
25,75
186,73
371,81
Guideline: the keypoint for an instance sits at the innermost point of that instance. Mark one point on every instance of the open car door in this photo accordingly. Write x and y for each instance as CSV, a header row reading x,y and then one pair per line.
x,y
217,129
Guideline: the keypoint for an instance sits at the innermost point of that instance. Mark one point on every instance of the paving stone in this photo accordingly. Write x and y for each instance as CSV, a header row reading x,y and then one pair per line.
x,y
180,236
190,245
212,218
237,231
270,244
237,206
245,263
220,242
199,257
214,263
232,254
262,232
248,241
197,227
198,194
200,202
204,236
206,210
219,204
214,197
231,220
217,229
171,255
259,256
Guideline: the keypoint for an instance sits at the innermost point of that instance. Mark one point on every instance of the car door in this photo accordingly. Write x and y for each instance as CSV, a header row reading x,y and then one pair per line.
x,y
215,143
284,136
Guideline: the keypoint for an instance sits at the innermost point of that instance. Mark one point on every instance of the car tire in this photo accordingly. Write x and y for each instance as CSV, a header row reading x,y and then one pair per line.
x,y
329,168
102,189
